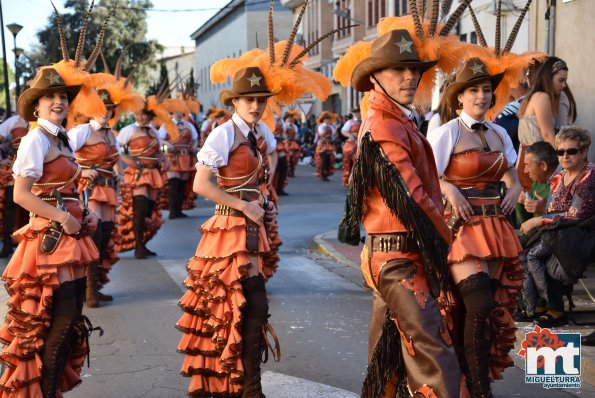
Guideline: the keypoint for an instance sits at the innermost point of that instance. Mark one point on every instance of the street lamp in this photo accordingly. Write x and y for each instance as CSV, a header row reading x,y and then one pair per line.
x,y
15,28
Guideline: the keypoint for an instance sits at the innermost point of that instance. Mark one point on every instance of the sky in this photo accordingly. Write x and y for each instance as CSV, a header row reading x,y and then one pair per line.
x,y
170,27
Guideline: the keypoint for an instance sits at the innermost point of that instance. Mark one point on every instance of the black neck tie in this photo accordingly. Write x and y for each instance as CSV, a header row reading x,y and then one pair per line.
x,y
252,141
63,137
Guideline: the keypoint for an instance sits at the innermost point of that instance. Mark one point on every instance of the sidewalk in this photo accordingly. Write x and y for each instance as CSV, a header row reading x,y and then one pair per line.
x,y
327,244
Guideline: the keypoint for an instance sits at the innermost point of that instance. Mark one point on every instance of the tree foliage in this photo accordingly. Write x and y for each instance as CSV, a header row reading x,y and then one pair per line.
x,y
2,85
127,28
161,83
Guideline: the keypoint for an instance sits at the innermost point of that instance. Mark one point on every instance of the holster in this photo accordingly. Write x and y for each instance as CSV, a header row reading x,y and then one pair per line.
x,y
51,238
252,234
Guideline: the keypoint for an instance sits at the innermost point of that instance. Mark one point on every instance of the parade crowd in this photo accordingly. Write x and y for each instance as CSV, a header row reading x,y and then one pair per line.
x,y
476,214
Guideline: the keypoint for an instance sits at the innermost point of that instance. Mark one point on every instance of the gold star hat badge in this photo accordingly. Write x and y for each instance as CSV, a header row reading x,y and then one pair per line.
x,y
254,80
54,78
404,45
476,68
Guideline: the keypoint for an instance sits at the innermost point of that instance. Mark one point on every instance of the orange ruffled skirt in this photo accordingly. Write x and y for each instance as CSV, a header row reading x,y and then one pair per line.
x,y
212,306
493,239
30,279
124,213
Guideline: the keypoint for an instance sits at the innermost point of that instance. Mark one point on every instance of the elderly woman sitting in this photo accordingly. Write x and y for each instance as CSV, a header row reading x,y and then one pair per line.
x,y
561,243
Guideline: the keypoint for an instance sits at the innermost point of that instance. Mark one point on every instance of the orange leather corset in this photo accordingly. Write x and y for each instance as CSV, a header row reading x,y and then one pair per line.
x,y
183,139
101,156
144,149
241,171
476,169
62,174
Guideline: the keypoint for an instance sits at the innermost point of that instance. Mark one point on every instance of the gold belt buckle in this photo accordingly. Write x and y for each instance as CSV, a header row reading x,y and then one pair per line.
x,y
489,210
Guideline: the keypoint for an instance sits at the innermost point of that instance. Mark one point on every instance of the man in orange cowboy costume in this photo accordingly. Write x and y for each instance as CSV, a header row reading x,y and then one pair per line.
x,y
396,195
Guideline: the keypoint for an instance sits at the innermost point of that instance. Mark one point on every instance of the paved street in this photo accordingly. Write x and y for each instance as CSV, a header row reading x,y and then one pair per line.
x,y
319,310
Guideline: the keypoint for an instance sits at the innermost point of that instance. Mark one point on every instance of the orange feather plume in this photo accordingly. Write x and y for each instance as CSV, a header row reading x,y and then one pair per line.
x,y
122,95
162,116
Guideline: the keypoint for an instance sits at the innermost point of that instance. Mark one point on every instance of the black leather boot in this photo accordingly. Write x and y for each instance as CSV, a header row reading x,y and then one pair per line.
x,y
60,337
180,198
254,316
107,230
140,211
172,190
476,291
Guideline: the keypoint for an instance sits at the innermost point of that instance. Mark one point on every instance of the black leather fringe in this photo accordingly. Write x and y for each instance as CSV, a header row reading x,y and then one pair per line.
x,y
386,359
372,169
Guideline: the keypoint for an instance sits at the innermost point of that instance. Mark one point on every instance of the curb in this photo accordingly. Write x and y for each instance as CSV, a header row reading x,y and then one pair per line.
x,y
320,246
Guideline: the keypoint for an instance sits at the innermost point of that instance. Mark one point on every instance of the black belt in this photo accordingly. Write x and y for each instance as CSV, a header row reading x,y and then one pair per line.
x,y
227,211
150,166
105,182
491,191
393,242
488,210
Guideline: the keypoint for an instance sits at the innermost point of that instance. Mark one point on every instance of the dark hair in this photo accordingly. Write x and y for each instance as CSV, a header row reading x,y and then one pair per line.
x,y
446,112
544,152
543,82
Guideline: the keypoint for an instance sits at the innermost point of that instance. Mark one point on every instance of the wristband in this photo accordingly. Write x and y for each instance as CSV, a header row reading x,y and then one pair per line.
x,y
66,220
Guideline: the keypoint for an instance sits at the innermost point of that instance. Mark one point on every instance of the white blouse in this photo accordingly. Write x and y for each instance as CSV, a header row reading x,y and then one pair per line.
x,y
215,151
11,123
444,138
127,132
188,125
32,150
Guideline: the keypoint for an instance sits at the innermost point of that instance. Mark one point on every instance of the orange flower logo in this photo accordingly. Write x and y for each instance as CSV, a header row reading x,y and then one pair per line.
x,y
540,338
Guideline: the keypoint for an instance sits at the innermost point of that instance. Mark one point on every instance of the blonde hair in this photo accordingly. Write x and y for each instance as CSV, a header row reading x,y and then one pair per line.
x,y
575,133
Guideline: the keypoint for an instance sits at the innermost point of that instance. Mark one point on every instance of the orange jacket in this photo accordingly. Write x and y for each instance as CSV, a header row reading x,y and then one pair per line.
x,y
411,153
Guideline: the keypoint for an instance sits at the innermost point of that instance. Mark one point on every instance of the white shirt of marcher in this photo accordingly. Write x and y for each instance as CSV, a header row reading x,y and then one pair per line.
x,y
215,151
80,134
194,135
444,138
32,150
320,131
11,123
127,132
347,126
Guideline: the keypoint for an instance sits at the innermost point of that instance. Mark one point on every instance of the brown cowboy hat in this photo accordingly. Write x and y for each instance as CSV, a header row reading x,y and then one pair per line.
x,y
45,82
472,71
392,49
248,82
106,98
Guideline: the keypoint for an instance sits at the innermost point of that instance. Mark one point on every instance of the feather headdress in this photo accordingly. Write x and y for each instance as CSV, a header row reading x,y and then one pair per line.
x,y
500,59
282,67
75,71
431,38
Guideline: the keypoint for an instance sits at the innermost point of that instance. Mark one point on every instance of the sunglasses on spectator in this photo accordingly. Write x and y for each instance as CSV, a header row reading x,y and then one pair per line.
x,y
570,151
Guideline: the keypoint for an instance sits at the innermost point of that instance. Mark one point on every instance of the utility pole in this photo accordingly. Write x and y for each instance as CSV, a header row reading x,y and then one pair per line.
x,y
6,86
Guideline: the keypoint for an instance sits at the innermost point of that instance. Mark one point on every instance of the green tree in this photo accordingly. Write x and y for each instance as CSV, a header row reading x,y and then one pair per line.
x,y
163,80
127,28
11,82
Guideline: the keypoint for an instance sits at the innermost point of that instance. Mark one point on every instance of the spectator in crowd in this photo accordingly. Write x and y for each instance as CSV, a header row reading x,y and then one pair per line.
x,y
508,118
540,108
444,113
561,243
540,164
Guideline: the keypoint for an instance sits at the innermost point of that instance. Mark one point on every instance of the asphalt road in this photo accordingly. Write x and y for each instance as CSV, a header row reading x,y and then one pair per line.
x,y
319,310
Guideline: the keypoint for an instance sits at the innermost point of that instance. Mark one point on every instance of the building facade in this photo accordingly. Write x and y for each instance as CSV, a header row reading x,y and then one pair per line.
x,y
179,63
239,26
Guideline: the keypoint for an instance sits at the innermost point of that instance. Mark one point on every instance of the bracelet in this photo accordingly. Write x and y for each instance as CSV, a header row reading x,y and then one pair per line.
x,y
65,221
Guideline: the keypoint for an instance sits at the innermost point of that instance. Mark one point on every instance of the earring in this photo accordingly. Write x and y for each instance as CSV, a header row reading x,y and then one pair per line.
x,y
460,105
36,113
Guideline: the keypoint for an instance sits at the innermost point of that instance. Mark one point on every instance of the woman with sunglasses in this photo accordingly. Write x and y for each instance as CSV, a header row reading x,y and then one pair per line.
x,y
572,198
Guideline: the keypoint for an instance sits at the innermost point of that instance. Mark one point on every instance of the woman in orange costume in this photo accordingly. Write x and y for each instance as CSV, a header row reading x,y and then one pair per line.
x,y
45,331
295,150
138,217
325,153
97,152
475,160
226,306
349,149
280,178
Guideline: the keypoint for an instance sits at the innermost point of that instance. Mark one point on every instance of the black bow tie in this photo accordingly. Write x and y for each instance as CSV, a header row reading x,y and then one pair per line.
x,y
63,137
477,126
